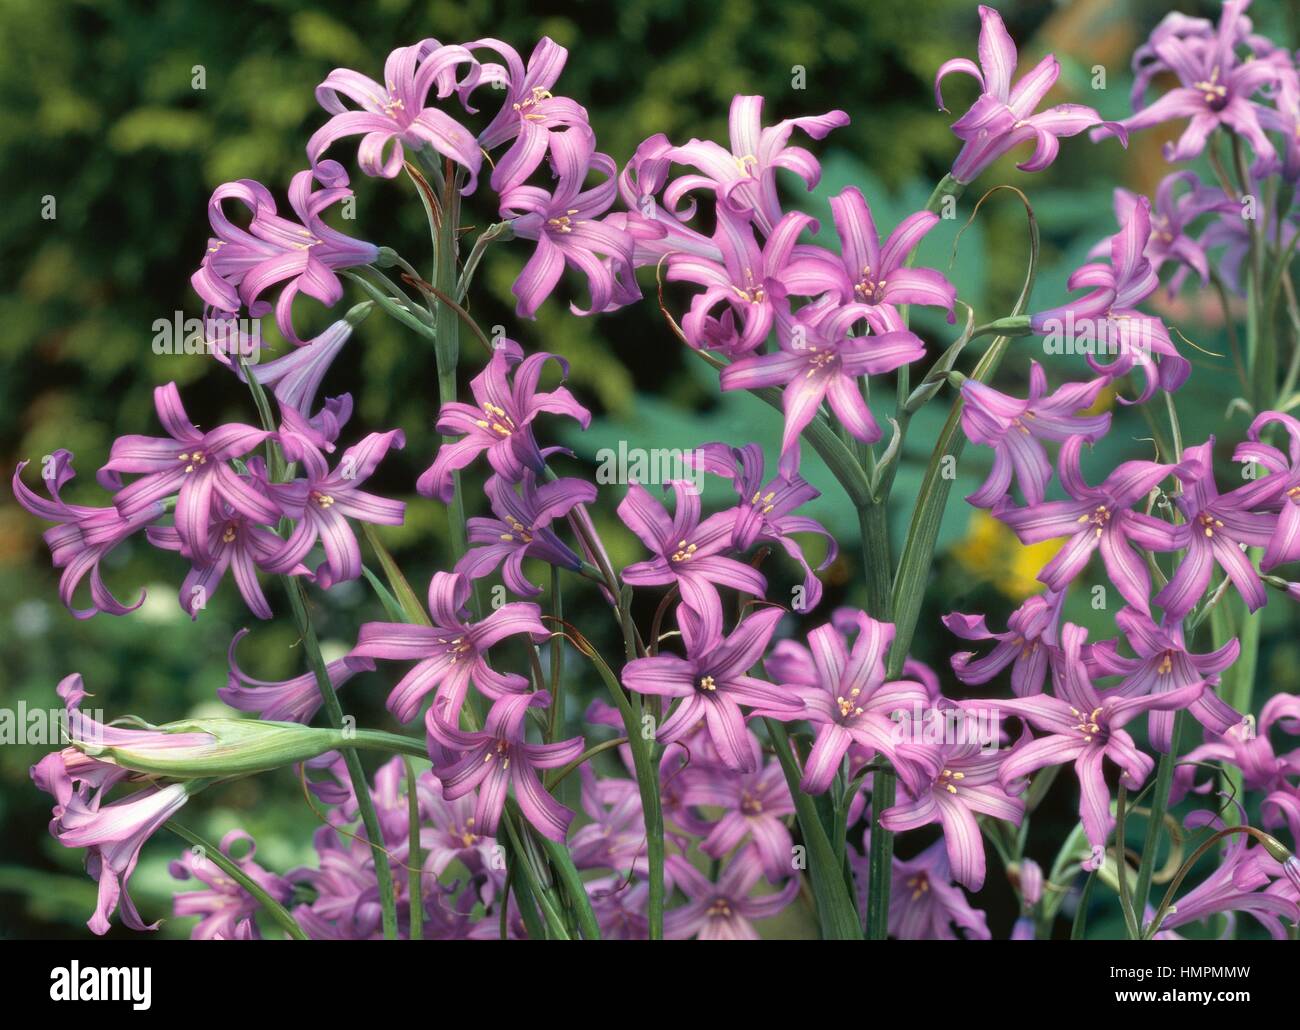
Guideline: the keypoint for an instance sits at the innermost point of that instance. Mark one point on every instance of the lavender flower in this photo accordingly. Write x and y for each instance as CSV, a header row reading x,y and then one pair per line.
x,y
296,699
1028,645
724,911
225,909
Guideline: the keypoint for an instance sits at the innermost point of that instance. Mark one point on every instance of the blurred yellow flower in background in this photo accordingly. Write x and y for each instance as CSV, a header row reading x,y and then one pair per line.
x,y
991,553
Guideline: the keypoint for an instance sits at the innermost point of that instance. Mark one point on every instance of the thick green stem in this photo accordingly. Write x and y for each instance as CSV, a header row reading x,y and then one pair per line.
x,y
414,855
1156,819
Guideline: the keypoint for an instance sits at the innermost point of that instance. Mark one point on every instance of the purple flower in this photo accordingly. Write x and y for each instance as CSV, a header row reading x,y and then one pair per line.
x,y
395,111
1084,727
687,552
451,653
83,536
951,783
1215,88
1028,645
1003,118
1013,428
724,911
744,177
113,836
242,264
295,379
521,529
322,501
292,700
754,282
498,758
1106,320
880,275
452,834
754,806
1163,663
849,702
1281,485
500,421
713,681
1217,526
225,909
925,904
192,465
818,362
1098,517
566,225
765,511
616,837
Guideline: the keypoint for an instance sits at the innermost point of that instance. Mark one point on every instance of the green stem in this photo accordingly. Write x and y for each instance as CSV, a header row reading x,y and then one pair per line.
x,y
880,873
414,856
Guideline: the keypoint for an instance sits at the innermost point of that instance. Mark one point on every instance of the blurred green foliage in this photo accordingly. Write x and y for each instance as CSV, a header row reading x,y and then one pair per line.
x,y
124,114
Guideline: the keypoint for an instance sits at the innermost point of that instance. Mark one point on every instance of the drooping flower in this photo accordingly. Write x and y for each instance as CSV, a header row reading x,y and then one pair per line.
x,y
83,536
1028,645
521,529
924,903
820,361
1004,117
296,699
566,224
226,909
1106,321
242,264
687,552
726,910
850,701
1013,428
1216,87
1281,486
296,377
1164,663
952,782
744,177
191,464
395,115
451,653
1098,518
712,682
322,501
1216,527
500,422
498,758
1085,727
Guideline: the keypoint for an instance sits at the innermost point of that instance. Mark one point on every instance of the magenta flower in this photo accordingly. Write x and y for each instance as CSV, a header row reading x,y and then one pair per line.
x,y
83,536
1281,485
753,281
1085,727
639,184
1216,87
394,114
242,264
821,362
497,758
744,177
113,836
1013,428
521,529
687,552
295,380
1106,320
322,501
952,783
754,806
724,911
500,422
1003,118
1028,645
766,509
615,838
713,681
1098,518
451,653
292,700
1216,527
1163,663
225,909
850,702
881,275
454,835
566,225
192,465
525,87
924,903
